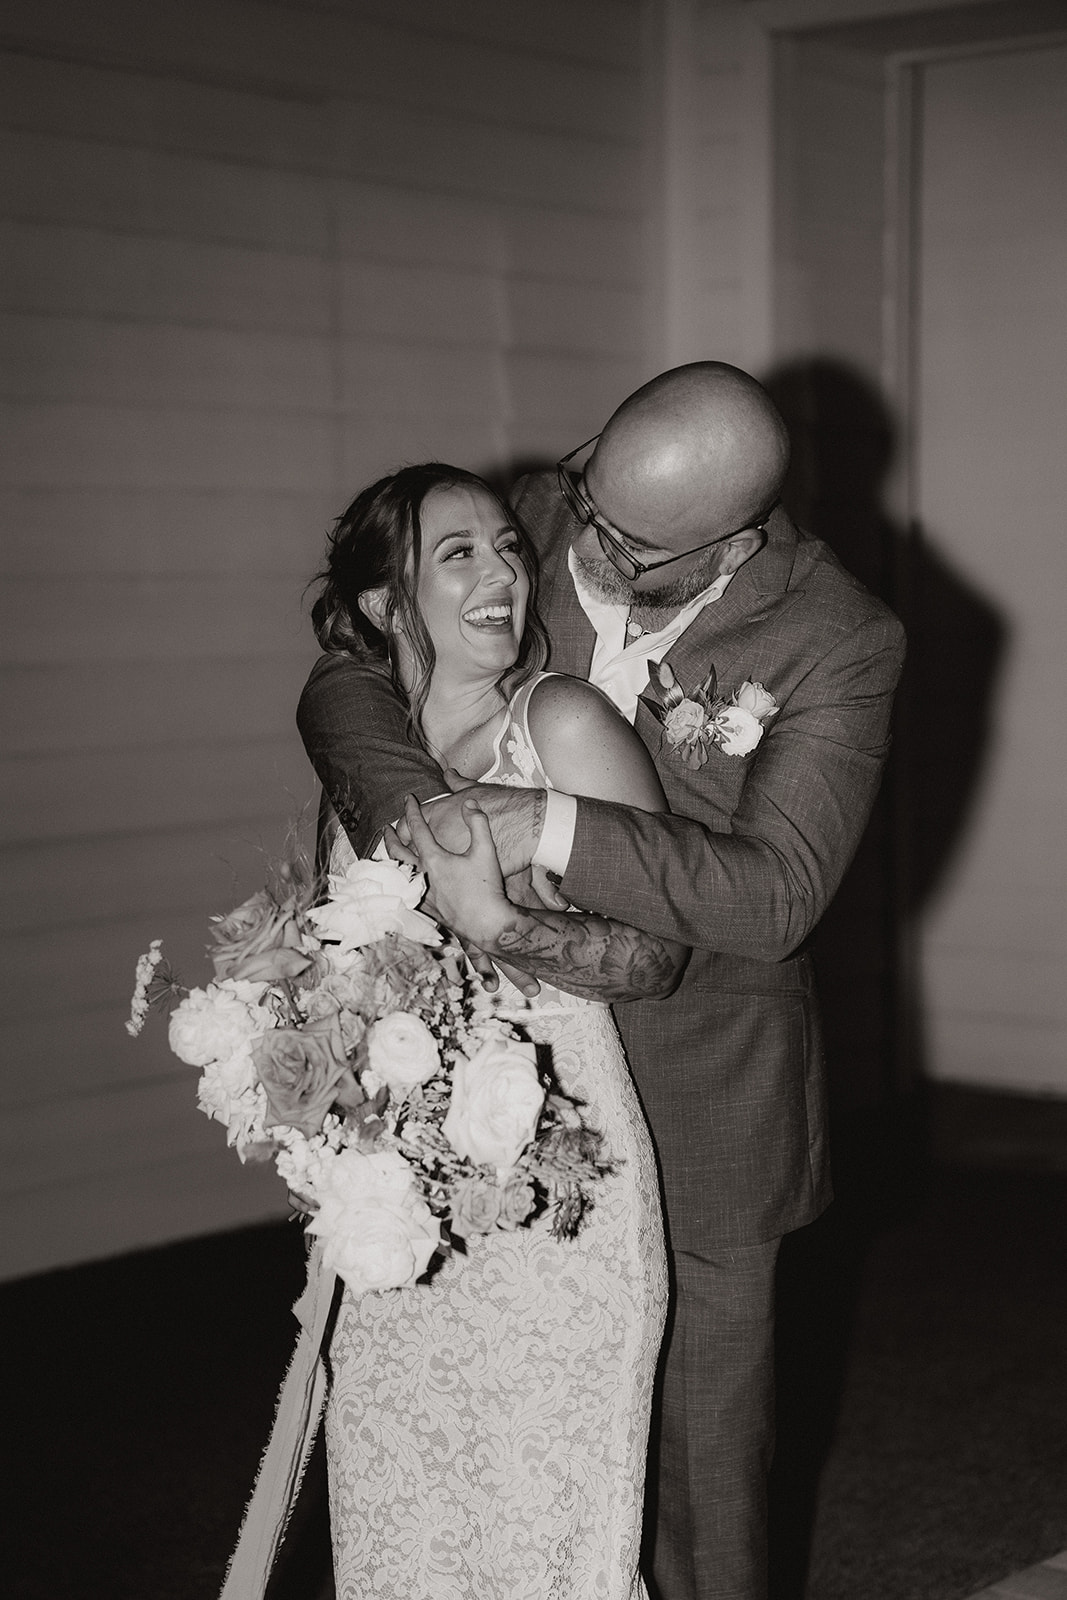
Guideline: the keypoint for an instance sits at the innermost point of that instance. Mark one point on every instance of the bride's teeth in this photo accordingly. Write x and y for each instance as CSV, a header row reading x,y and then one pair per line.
x,y
488,613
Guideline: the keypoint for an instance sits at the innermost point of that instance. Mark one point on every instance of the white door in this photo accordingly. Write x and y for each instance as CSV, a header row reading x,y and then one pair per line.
x,y
992,493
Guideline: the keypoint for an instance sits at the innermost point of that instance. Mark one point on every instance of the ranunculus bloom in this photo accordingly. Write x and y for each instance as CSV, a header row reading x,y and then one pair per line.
x,y
475,1206
302,1071
402,1051
258,941
740,732
496,1101
370,899
213,1024
754,697
683,721
377,1230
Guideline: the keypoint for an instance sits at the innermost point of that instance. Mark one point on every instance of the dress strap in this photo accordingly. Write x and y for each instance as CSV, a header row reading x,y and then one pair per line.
x,y
516,761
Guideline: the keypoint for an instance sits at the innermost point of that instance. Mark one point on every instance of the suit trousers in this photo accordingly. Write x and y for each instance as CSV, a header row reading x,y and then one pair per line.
x,y
715,1428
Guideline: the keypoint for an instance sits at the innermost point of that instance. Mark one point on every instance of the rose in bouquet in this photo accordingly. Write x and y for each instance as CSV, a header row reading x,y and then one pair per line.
x,y
344,1037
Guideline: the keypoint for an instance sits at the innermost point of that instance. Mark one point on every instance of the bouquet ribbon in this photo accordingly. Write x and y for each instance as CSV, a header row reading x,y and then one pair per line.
x,y
296,1422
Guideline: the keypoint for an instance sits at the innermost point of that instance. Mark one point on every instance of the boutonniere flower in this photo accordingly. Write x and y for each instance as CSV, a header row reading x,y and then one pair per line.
x,y
692,723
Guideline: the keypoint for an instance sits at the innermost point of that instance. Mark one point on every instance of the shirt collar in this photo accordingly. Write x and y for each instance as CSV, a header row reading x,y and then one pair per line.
x,y
610,615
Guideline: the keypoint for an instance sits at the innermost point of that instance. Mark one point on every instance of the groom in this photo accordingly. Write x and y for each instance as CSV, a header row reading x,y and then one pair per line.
x,y
670,547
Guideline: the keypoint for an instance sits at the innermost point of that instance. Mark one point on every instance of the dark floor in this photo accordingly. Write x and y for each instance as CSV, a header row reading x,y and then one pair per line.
x,y
923,1431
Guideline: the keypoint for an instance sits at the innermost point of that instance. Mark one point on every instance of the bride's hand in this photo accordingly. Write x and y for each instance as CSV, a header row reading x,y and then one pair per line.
x,y
481,888
466,886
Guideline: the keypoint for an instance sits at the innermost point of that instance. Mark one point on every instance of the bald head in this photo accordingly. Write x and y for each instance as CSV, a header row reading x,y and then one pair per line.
x,y
697,452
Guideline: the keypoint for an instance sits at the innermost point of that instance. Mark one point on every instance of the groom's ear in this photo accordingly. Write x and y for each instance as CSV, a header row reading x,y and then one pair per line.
x,y
741,548
374,603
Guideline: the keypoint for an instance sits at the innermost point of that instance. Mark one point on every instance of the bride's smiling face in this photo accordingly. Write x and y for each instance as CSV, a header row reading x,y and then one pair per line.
x,y
472,587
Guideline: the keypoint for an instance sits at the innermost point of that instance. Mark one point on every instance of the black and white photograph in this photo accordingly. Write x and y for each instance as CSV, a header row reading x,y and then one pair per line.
x,y
534,818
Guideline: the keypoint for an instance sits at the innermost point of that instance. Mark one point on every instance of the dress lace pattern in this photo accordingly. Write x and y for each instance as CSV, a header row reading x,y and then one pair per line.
x,y
486,1430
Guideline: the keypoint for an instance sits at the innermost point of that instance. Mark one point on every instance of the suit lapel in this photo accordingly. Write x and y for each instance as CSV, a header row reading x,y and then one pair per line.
x,y
540,508
716,637
569,628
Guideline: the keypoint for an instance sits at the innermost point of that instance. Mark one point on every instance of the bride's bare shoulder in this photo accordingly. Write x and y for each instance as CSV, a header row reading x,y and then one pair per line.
x,y
587,747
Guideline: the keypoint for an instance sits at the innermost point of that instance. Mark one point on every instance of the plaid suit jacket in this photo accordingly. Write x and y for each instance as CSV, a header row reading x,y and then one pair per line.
x,y
730,1066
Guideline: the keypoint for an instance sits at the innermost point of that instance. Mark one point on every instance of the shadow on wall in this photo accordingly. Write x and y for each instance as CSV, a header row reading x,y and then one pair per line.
x,y
844,442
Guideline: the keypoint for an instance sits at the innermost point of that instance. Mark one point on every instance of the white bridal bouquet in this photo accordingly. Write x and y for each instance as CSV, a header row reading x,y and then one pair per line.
x,y
346,1039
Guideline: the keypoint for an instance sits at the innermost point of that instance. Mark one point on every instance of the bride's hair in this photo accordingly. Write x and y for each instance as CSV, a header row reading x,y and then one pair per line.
x,y
376,543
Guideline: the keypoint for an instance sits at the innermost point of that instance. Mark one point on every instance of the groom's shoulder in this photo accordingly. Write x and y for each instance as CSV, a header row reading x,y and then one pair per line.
x,y
539,507
835,594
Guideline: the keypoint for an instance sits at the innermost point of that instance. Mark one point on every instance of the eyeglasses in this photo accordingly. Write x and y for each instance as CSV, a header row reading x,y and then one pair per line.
x,y
586,513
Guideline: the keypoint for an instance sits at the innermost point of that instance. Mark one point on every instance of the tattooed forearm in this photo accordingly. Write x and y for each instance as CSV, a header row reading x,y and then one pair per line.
x,y
589,955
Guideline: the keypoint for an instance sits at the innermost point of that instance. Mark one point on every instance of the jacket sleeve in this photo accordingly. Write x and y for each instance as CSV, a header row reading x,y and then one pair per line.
x,y
758,888
355,730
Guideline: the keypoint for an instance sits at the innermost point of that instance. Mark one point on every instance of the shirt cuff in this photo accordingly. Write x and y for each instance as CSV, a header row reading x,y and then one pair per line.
x,y
557,832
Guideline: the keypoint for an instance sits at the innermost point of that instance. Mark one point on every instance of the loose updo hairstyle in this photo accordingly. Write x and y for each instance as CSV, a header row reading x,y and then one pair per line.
x,y
376,543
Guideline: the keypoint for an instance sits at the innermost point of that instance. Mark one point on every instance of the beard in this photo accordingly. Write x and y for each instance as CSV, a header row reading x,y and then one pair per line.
x,y
607,583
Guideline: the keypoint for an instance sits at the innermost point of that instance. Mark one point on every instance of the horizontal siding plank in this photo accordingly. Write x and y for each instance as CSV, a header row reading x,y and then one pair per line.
x,y
153,875
375,444
129,363
382,221
583,245
379,221
94,272
392,301
54,797
85,1052
148,1204
587,386
52,179
309,56
428,150
101,957
90,101
84,1135
95,446
149,618
164,531
717,249
599,30
100,705
429,382
574,318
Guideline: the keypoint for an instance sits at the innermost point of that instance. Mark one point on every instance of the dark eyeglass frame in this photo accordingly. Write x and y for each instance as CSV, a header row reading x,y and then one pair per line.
x,y
627,565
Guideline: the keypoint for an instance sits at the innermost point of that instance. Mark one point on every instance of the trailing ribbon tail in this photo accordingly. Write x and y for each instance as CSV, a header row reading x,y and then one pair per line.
x,y
296,1422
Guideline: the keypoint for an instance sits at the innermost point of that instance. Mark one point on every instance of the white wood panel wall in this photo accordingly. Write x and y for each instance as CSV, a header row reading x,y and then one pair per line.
x,y
252,254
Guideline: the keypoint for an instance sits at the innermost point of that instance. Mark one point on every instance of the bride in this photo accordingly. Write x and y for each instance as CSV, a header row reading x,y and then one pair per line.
x,y
486,1430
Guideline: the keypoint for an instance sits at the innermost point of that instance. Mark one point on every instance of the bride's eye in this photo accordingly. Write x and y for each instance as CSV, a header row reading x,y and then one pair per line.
x,y
456,550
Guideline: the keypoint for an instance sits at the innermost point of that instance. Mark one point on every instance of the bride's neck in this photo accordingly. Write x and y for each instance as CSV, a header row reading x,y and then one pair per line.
x,y
460,720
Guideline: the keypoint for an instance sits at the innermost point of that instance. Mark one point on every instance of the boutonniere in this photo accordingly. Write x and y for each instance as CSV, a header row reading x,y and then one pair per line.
x,y
693,722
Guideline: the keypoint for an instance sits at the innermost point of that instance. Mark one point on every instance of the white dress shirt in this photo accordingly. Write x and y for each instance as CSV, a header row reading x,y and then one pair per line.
x,y
620,668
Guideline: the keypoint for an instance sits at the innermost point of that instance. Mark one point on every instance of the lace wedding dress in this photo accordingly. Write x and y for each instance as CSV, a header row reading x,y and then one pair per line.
x,y
486,1430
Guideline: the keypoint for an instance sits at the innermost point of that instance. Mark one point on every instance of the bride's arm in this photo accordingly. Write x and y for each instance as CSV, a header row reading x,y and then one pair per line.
x,y
584,745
